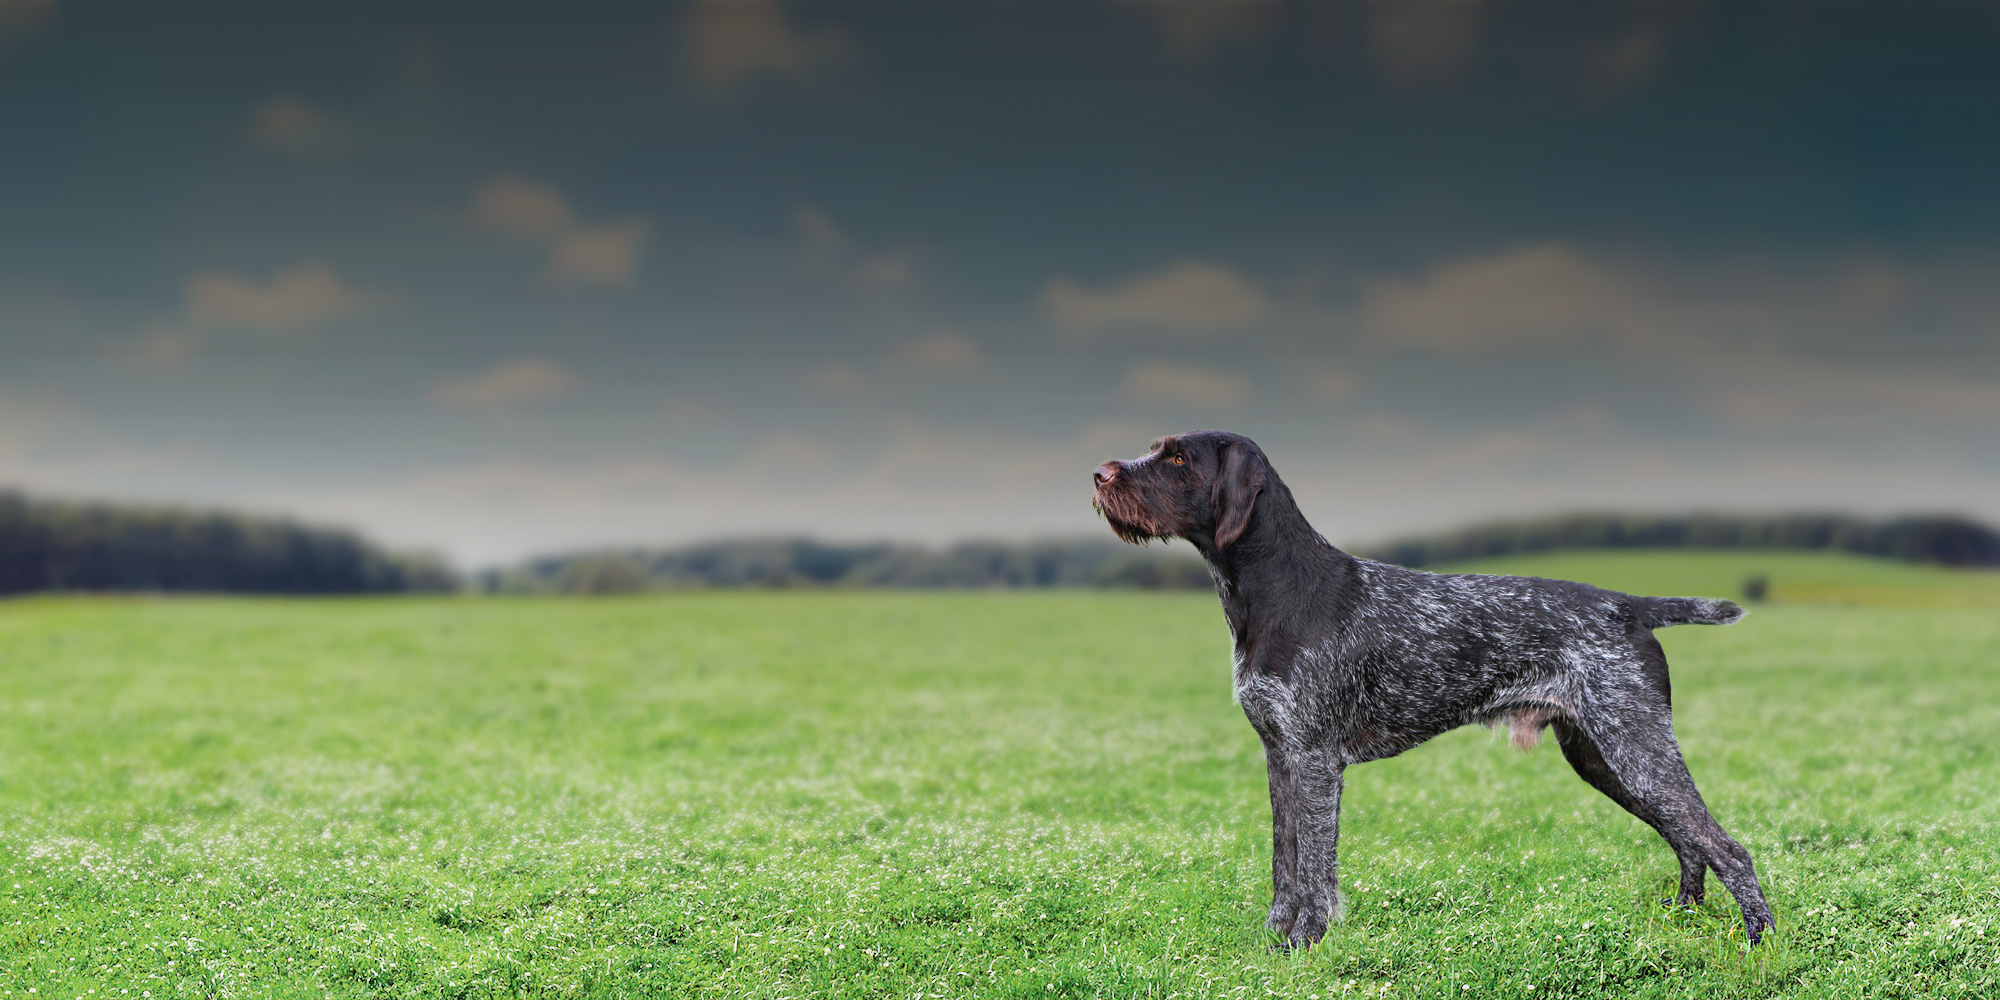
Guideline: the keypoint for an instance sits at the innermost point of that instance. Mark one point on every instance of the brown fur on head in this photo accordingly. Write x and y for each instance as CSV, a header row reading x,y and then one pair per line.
x,y
1131,497
1128,519
1202,485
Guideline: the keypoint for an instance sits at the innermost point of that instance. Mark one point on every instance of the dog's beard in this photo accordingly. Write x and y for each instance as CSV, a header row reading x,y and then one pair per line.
x,y
1126,520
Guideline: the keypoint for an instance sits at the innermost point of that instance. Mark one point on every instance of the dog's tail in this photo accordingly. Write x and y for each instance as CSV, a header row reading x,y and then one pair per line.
x,y
1659,612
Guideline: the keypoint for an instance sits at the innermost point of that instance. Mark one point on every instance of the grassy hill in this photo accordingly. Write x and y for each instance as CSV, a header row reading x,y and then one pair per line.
x,y
1023,794
1823,578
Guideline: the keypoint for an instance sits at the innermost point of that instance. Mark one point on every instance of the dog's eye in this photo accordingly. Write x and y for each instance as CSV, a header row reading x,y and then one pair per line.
x,y
1179,460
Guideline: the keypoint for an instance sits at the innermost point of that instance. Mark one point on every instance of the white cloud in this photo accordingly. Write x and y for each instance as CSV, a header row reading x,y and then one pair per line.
x,y
1419,43
599,255
522,207
289,125
1388,476
529,380
886,272
21,18
292,302
1794,394
1181,386
1191,297
159,348
1194,29
818,231
939,352
1554,295
295,299
1872,285
784,483
1635,52
731,43
26,421
1525,296
602,255
1331,384
840,380
1630,59
828,248
48,444
934,355
1360,480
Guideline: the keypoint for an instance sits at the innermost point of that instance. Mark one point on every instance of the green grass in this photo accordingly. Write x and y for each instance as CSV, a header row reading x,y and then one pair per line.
x,y
1827,578
1008,794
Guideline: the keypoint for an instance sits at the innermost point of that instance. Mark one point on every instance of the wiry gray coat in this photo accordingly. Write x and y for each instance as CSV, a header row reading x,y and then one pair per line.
x,y
1342,660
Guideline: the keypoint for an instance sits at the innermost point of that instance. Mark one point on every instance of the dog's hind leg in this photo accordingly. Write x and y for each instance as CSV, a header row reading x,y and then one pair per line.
x,y
1583,755
1635,737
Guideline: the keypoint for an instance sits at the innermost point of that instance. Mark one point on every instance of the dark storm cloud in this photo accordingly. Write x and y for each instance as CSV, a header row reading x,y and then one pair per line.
x,y
509,277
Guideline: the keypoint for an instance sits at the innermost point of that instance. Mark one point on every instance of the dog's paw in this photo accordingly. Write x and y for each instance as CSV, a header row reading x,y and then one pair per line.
x,y
1306,931
1313,919
1755,926
1283,913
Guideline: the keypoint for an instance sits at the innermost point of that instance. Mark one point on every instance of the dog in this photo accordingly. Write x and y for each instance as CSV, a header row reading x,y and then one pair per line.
x,y
1341,660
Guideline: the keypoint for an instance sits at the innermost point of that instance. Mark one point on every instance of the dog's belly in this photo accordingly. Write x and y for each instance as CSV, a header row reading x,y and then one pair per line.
x,y
1277,714
1369,708
1365,742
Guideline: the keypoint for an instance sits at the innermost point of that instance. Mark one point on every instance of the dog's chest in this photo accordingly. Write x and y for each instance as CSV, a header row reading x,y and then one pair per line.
x,y
1268,692
1266,702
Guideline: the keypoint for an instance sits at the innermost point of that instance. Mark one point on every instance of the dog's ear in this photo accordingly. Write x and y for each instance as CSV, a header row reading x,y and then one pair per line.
x,y
1237,484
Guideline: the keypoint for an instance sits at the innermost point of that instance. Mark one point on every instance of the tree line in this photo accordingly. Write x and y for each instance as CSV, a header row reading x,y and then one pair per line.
x,y
62,546
799,562
66,546
1941,540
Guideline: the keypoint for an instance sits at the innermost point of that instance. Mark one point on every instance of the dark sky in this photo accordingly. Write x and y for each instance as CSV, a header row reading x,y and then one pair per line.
x,y
505,277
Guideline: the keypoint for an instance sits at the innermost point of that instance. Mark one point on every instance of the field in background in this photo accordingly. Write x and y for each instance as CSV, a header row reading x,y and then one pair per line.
x,y
1809,578
992,794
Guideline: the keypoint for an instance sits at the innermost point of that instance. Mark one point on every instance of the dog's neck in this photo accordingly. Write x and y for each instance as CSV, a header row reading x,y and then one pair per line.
x,y
1280,572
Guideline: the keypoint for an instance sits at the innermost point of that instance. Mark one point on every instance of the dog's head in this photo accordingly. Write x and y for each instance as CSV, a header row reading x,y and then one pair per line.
x,y
1201,486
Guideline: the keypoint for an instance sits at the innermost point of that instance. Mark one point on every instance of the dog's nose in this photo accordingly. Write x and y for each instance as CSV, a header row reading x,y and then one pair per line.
x,y
1106,472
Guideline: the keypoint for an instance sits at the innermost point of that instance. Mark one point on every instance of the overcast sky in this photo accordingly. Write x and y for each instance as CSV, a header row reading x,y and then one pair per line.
x,y
505,278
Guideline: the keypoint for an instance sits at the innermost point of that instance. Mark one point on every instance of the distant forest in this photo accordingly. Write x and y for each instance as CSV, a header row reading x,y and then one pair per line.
x,y
1089,563
55,546
1944,541
58,546
798,562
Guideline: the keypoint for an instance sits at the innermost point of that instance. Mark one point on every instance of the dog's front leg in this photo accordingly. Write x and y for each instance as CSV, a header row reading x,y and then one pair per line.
x,y
1317,776
1284,838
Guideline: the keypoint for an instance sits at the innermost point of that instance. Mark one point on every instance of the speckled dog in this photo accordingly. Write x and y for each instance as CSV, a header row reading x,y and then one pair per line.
x,y
1342,660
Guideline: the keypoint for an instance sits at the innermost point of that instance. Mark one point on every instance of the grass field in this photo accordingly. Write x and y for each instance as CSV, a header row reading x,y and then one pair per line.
x,y
1006,794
